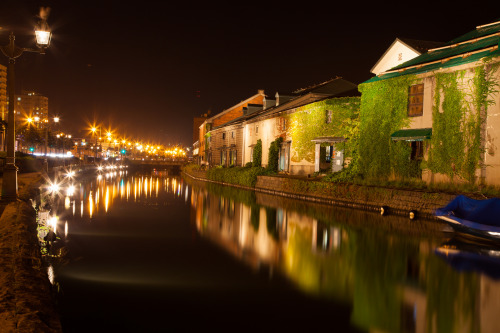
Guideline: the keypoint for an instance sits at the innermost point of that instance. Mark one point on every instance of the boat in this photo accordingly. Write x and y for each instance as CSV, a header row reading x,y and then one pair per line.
x,y
474,220
468,257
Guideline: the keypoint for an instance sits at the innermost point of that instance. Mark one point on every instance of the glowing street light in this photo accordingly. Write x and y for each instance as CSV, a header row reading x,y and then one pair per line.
x,y
93,129
12,52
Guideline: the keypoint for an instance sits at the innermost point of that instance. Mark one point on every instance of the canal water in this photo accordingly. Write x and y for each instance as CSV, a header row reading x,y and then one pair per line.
x,y
153,252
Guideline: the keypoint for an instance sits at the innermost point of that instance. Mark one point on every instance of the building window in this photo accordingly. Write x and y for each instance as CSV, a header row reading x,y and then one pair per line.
x,y
281,124
232,135
232,157
329,116
223,136
328,153
416,100
223,158
256,129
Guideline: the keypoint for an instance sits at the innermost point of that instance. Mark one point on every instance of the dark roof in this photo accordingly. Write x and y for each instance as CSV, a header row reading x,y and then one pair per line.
x,y
336,87
333,86
349,93
421,46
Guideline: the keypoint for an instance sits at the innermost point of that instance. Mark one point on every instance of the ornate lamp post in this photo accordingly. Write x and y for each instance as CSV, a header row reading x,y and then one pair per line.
x,y
12,51
63,137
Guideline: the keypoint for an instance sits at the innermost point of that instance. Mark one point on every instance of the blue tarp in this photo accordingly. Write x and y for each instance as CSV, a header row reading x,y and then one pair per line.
x,y
478,211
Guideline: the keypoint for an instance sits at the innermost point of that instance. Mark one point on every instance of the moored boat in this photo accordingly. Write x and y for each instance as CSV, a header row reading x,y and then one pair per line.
x,y
476,220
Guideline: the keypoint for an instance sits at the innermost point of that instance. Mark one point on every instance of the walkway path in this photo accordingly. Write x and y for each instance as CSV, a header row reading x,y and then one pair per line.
x,y
26,302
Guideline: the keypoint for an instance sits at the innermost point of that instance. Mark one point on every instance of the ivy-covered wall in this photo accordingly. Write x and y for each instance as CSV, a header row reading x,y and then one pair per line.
x,y
459,107
461,99
310,121
383,111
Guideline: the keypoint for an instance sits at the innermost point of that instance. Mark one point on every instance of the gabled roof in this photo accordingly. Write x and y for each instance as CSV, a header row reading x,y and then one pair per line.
x,y
421,46
414,48
336,87
246,101
482,42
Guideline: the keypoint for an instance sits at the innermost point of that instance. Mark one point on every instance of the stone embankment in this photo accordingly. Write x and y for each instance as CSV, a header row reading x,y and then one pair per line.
x,y
26,298
371,198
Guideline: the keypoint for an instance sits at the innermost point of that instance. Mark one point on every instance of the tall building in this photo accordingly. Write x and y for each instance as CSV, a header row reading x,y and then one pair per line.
x,y
3,92
32,104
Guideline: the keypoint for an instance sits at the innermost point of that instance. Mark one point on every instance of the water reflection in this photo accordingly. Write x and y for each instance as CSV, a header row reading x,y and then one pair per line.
x,y
394,282
383,270
94,196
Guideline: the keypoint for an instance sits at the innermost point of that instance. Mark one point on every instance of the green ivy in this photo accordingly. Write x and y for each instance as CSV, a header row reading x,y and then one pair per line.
x,y
236,175
449,111
257,154
274,151
309,122
207,143
459,114
384,107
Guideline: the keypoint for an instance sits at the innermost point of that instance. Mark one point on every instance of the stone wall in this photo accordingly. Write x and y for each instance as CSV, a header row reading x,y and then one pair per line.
x,y
370,198
398,201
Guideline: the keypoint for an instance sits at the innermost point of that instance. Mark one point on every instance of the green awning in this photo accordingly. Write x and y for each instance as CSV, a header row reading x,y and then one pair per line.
x,y
418,134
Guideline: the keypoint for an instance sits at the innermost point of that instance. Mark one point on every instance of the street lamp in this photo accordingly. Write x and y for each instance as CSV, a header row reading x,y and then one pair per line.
x,y
94,130
63,137
12,51
47,124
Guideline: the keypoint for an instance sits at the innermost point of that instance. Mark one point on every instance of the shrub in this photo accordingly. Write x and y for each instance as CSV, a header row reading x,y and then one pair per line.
x,y
238,175
257,154
274,153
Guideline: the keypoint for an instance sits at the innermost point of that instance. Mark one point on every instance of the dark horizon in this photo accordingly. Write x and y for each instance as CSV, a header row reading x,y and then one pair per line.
x,y
147,70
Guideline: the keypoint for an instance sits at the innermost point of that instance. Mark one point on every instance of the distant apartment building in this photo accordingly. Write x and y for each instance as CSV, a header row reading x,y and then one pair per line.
x,y
32,104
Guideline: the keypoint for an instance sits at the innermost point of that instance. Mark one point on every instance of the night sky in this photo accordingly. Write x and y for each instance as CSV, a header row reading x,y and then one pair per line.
x,y
145,69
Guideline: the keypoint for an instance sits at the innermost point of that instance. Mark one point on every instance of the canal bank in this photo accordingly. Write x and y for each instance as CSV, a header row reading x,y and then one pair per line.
x,y
394,201
26,302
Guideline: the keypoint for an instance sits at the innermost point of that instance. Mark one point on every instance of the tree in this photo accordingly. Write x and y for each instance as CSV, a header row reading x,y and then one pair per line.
x,y
257,154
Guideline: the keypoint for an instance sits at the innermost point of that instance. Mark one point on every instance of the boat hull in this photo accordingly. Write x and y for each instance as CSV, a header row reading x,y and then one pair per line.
x,y
474,232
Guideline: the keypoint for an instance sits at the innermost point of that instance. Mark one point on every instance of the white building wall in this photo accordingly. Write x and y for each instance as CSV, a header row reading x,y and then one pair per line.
x,y
266,133
395,55
492,152
492,139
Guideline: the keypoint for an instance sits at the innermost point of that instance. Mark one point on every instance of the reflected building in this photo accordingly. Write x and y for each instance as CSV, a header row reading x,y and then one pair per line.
x,y
393,283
